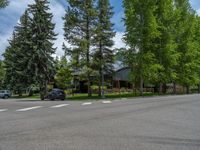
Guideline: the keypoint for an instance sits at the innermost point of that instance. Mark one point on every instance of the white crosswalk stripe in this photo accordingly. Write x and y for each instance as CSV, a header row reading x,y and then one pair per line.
x,y
54,106
106,102
2,110
87,103
58,106
29,108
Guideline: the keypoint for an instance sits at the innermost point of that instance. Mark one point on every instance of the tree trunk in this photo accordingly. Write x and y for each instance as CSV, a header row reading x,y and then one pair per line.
x,y
164,89
174,88
30,93
160,88
187,89
133,87
141,85
102,85
19,93
43,90
99,92
198,88
89,87
88,55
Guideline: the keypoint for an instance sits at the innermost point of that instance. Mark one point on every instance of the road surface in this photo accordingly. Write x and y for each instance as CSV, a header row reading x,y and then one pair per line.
x,y
157,123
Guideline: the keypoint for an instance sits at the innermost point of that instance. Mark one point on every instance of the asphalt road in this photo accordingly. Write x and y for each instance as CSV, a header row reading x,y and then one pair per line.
x,y
158,123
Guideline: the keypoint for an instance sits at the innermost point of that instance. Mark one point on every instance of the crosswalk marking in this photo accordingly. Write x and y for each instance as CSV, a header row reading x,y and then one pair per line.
x,y
55,106
87,103
29,108
2,110
106,102
58,106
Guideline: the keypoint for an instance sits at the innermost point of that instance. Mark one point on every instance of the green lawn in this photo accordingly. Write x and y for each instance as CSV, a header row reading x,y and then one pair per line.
x,y
107,96
84,96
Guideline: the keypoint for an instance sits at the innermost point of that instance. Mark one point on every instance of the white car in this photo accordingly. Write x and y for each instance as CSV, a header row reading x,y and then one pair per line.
x,y
5,94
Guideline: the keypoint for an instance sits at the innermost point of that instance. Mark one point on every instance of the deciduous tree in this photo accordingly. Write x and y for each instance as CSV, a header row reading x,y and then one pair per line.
x,y
141,31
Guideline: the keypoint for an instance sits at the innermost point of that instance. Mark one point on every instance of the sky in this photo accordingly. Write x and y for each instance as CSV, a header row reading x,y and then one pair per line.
x,y
10,15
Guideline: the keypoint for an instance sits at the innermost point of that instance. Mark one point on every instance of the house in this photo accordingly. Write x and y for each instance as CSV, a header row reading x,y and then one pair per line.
x,y
121,78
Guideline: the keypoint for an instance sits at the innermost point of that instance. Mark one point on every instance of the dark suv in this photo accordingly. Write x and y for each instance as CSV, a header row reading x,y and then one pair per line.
x,y
56,94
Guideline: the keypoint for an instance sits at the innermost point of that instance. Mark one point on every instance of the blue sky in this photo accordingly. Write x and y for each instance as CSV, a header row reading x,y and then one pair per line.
x,y
11,14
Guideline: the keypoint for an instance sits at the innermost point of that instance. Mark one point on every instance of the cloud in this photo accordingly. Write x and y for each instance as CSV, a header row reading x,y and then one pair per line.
x,y
58,11
118,40
198,11
9,18
11,14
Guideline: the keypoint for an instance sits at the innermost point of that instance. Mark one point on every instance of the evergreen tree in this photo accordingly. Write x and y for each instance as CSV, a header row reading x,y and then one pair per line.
x,y
3,3
79,30
2,74
141,32
18,75
13,77
41,61
103,59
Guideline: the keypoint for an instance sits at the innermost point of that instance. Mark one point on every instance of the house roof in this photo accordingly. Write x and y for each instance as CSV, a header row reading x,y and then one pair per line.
x,y
122,74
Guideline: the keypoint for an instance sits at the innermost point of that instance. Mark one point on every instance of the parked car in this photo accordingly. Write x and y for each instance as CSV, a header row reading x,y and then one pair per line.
x,y
56,94
5,94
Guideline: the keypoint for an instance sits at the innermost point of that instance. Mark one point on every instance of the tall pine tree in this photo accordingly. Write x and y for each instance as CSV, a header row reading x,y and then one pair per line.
x,y
79,30
2,74
18,75
41,61
3,3
103,57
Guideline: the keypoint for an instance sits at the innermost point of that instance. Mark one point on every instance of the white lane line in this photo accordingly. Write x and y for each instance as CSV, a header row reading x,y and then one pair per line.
x,y
87,103
2,110
106,102
27,109
58,106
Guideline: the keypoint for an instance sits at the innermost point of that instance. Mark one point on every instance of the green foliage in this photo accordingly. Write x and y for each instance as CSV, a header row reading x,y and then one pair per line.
x,y
162,37
141,32
79,30
187,46
2,74
103,55
96,87
163,40
41,61
18,75
28,58
63,76
165,50
3,3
